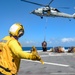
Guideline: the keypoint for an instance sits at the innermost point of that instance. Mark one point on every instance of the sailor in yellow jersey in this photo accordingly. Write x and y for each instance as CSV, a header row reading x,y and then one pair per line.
x,y
16,52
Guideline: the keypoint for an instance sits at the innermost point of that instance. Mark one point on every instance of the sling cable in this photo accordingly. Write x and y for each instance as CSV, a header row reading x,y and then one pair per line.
x,y
44,43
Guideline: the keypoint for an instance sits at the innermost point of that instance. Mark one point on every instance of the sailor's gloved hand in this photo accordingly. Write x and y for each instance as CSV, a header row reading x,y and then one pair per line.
x,y
36,55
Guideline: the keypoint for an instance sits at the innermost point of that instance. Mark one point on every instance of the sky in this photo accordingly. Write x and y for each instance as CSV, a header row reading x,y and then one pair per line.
x,y
56,31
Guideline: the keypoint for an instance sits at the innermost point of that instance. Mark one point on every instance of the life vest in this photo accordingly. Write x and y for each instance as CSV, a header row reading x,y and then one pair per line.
x,y
7,65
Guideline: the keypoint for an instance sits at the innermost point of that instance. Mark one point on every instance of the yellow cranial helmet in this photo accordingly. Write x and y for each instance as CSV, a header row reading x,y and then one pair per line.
x,y
16,30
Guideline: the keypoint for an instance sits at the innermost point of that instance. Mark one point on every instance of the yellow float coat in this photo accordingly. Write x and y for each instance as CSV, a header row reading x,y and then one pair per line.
x,y
17,52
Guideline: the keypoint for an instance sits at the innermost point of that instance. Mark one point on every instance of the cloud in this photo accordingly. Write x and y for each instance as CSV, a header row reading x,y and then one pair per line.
x,y
29,42
64,40
51,42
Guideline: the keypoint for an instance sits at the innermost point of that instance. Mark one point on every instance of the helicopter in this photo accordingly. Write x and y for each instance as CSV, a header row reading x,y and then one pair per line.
x,y
48,11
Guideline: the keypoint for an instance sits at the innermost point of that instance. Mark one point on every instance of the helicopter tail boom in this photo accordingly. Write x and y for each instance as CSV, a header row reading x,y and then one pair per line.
x,y
74,15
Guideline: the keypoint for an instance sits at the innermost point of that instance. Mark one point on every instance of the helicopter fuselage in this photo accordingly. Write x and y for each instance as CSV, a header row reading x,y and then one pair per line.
x,y
51,12
48,11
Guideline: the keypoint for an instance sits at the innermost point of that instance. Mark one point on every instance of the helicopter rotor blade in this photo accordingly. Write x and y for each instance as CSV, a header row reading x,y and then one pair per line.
x,y
33,3
50,2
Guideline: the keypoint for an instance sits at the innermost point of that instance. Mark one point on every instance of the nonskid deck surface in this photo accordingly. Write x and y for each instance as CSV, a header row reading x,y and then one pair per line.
x,y
55,64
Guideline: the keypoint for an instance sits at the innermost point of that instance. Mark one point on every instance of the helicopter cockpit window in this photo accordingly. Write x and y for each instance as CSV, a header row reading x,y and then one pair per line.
x,y
57,10
54,9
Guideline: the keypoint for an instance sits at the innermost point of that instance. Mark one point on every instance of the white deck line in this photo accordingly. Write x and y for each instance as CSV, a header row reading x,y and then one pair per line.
x,y
63,65
62,73
49,63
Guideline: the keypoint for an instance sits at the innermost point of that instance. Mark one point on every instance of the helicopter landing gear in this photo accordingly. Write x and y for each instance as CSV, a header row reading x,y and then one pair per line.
x,y
41,17
69,19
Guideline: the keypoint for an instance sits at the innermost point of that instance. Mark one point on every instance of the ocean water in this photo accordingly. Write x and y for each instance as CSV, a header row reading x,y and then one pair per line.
x,y
38,48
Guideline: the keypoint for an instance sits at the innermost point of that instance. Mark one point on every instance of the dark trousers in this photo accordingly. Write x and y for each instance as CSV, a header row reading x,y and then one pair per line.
x,y
44,49
1,73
